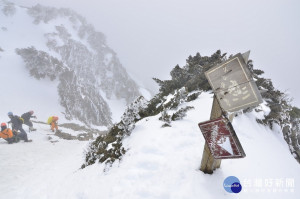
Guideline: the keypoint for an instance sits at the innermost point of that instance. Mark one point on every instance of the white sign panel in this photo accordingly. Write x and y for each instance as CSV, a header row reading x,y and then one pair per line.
x,y
232,83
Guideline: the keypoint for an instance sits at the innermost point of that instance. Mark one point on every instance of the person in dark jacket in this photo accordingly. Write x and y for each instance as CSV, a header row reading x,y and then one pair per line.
x,y
26,117
17,123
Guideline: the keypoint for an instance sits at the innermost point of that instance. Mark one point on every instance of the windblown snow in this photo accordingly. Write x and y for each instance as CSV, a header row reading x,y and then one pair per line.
x,y
160,163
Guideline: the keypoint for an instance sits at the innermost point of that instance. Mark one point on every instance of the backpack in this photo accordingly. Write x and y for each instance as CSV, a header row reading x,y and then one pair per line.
x,y
49,120
21,120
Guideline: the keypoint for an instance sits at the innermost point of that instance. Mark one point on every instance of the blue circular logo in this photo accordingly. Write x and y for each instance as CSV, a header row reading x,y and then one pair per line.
x,y
232,184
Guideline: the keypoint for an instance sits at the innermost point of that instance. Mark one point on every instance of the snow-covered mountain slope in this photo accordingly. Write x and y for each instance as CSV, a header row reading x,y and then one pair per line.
x,y
159,163
54,62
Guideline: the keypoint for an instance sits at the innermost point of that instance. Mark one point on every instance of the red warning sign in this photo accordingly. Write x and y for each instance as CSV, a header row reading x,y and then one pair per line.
x,y
221,139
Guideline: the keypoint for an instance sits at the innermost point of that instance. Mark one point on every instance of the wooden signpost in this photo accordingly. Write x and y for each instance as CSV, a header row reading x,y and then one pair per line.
x,y
209,163
234,90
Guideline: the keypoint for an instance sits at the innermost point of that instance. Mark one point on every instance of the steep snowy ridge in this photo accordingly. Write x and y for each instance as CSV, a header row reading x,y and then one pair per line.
x,y
58,44
160,163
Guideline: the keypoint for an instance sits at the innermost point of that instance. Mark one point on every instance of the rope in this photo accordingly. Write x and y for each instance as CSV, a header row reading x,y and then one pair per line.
x,y
38,124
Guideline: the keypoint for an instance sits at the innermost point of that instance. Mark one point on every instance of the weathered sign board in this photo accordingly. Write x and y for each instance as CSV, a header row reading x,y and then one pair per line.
x,y
221,139
232,83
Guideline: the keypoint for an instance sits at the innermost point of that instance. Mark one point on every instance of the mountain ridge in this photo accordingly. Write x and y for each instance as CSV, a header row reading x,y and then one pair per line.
x,y
170,103
70,51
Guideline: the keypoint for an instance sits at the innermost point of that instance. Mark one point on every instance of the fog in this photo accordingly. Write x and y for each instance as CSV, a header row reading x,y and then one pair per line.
x,y
152,36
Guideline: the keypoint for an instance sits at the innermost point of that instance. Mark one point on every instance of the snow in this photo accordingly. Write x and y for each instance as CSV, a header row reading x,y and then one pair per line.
x,y
160,163
117,106
31,170
107,59
226,145
168,98
21,92
145,93
30,36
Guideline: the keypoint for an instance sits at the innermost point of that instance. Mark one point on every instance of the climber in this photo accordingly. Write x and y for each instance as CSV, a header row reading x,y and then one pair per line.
x,y
17,123
26,117
52,120
7,134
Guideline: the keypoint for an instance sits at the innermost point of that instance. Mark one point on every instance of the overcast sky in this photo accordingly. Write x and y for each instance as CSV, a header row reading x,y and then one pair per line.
x,y
152,36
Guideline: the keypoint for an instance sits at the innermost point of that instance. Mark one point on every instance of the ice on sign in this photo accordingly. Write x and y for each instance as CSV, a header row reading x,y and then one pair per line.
x,y
233,85
221,139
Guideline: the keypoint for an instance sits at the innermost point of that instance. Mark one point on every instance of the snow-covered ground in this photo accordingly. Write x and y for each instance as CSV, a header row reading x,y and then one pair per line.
x,y
33,170
161,163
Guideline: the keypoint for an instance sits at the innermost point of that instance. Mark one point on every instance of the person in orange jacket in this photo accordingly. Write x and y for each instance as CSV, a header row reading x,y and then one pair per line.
x,y
10,136
7,134
53,123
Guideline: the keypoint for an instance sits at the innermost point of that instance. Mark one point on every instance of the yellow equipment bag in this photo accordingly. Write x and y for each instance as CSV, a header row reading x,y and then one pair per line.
x,y
49,120
22,120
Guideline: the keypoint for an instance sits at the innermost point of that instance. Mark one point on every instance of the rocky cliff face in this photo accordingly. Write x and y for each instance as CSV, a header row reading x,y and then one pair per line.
x,y
76,55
